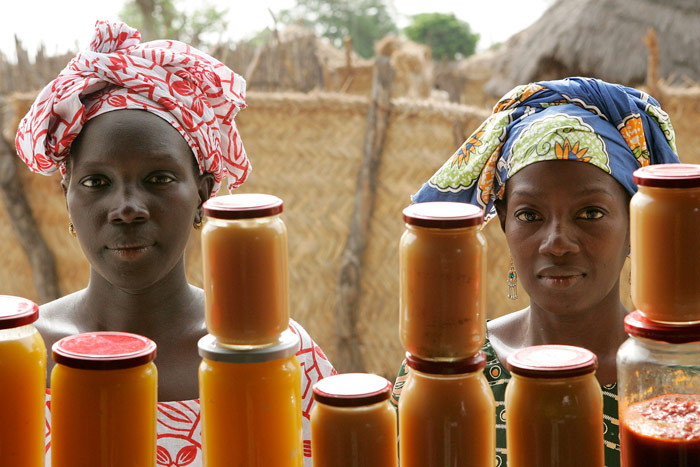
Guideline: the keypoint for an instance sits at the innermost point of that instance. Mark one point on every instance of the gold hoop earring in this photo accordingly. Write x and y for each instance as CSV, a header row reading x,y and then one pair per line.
x,y
512,282
71,229
197,224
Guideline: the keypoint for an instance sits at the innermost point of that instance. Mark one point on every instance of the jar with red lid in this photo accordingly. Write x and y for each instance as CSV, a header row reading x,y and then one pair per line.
x,y
665,242
442,262
447,414
104,393
352,422
554,408
246,278
658,370
22,384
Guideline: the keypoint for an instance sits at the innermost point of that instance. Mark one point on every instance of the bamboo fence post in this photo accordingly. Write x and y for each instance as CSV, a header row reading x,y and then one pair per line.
x,y
349,280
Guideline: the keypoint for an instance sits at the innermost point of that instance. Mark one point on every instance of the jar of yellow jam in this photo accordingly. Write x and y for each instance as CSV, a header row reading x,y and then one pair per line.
x,y
251,404
246,278
104,393
22,384
665,243
442,263
352,422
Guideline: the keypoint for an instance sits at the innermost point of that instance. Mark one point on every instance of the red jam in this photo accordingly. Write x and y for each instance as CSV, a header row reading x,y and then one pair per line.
x,y
664,430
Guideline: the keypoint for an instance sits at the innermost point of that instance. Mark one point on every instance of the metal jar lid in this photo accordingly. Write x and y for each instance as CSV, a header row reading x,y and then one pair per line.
x,y
443,215
352,390
454,367
287,345
668,176
17,311
552,361
105,350
242,206
639,326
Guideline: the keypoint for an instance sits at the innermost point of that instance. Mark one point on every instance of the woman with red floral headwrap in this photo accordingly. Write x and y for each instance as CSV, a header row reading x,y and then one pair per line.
x,y
143,134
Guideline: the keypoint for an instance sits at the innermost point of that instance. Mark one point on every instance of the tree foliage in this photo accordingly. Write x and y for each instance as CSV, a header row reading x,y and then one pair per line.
x,y
365,21
167,19
447,36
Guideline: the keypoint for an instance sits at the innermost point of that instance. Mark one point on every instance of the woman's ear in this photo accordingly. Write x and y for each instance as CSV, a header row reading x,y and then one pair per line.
x,y
206,184
501,211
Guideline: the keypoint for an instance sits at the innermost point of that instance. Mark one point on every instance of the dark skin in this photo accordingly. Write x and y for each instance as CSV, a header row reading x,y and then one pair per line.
x,y
567,227
133,194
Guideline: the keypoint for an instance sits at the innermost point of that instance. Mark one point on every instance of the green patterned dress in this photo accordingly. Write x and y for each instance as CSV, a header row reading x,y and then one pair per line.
x,y
498,377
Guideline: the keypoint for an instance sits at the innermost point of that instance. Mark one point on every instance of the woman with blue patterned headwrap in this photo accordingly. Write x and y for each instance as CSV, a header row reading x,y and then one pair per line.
x,y
566,224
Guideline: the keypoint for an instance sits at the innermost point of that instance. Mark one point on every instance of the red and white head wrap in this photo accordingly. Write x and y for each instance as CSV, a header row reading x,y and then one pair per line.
x,y
198,95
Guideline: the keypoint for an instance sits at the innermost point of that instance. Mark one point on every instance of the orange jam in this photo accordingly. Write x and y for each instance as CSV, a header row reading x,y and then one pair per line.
x,y
103,400
352,422
442,263
665,242
246,279
446,414
554,408
664,430
251,404
22,384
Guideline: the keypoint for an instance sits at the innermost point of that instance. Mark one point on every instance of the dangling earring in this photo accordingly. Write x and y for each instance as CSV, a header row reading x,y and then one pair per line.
x,y
512,282
197,224
71,229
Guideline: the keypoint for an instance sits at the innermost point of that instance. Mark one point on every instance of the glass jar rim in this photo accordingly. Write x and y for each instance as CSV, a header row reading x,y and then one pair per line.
x,y
668,176
352,389
552,361
104,350
455,367
443,215
17,311
243,206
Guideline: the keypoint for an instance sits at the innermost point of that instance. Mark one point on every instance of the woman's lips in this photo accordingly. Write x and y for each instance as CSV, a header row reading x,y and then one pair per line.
x,y
130,251
561,281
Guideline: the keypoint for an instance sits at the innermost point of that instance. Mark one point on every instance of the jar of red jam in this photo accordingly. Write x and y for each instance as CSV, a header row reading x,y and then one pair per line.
x,y
442,263
554,408
446,414
22,384
665,242
658,370
246,278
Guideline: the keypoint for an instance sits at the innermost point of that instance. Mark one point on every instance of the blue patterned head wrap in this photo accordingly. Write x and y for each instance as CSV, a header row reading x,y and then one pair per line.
x,y
616,128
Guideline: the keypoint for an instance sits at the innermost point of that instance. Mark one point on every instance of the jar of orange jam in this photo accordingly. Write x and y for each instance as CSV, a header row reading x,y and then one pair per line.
x,y
447,414
442,262
659,393
246,280
554,408
251,404
352,422
22,384
104,392
665,242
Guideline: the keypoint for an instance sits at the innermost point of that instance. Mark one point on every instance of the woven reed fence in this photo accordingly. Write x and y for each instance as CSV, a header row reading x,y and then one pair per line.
x,y
307,149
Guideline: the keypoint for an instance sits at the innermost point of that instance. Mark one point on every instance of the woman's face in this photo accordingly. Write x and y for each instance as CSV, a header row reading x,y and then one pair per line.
x,y
567,226
132,196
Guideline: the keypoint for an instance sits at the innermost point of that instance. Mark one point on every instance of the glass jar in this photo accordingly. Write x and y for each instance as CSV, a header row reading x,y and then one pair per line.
x,y
104,393
22,384
658,370
665,242
446,414
352,423
442,262
246,279
251,404
554,408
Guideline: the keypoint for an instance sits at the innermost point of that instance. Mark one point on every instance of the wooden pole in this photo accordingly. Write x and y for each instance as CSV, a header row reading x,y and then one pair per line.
x,y
349,286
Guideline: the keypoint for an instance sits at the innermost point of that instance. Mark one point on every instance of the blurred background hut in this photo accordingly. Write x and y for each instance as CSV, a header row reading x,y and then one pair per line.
x,y
345,139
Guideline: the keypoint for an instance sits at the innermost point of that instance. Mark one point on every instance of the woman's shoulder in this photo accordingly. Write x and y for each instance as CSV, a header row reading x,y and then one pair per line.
x,y
57,318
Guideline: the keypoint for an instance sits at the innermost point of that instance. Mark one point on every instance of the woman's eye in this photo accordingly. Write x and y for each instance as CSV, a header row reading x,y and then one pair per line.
x,y
160,179
592,213
527,216
93,182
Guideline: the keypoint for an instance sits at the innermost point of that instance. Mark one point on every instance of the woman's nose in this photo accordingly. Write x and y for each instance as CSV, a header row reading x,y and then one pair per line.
x,y
559,240
128,207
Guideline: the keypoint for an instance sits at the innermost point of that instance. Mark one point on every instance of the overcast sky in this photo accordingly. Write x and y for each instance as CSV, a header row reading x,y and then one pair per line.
x,y
68,24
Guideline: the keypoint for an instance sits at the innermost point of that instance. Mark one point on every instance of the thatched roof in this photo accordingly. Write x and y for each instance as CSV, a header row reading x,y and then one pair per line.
x,y
601,38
